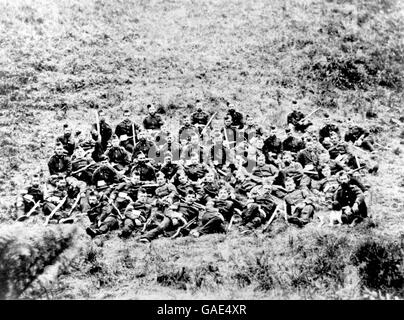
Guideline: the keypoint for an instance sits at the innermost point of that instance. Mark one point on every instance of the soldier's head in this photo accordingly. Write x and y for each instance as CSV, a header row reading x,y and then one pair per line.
x,y
35,180
160,178
141,157
223,194
198,104
101,114
92,199
182,178
259,143
210,176
309,143
267,185
334,137
141,135
194,158
168,157
195,139
327,119
61,184
289,132
210,204
287,158
343,178
126,114
59,150
152,109
135,177
190,197
326,171
290,184
249,120
104,160
187,121
67,131
324,158
115,141
227,121
327,142
79,152
240,176
142,195
260,160
272,130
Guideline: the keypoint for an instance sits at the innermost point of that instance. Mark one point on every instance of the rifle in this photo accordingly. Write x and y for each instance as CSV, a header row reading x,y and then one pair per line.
x,y
121,216
72,219
182,227
134,135
98,124
26,216
309,115
60,204
208,123
84,168
274,215
73,206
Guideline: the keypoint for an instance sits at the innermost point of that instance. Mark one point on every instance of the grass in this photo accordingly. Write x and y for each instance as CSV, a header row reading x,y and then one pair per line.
x,y
59,60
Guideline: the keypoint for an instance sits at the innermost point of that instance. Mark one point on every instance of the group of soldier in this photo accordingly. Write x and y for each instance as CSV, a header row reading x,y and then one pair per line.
x,y
148,182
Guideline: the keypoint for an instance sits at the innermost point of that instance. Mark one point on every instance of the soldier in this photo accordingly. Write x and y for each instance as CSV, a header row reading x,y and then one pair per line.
x,y
210,186
101,214
325,131
243,186
263,170
60,162
350,200
292,143
251,129
126,192
308,157
67,140
125,131
272,147
229,133
153,121
195,170
180,213
296,118
105,174
211,221
136,214
225,203
169,168
30,196
55,197
146,170
260,206
236,117
171,146
83,165
183,184
292,169
105,129
299,204
187,130
199,117
359,136
145,146
118,157
326,187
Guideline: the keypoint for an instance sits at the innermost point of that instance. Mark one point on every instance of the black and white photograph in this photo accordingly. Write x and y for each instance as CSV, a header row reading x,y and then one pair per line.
x,y
185,150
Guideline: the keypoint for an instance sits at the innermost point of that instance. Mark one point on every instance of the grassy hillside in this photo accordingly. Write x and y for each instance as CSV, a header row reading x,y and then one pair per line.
x,y
60,59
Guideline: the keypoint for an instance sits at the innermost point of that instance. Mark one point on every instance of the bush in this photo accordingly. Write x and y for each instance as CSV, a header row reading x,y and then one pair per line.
x,y
381,264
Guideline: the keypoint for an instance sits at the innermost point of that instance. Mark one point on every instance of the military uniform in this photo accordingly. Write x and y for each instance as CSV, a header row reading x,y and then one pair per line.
x,y
153,122
347,196
60,164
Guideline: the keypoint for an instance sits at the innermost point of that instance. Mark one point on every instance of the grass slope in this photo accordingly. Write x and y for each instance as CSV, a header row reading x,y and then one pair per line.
x,y
60,59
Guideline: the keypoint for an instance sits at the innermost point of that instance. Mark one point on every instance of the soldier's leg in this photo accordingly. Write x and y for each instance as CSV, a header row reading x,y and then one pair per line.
x,y
212,225
128,227
110,223
154,233
48,208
